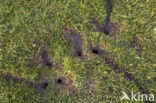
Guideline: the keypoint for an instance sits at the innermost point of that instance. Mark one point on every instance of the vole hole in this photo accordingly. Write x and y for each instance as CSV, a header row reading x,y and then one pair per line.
x,y
49,64
45,85
95,51
59,81
79,53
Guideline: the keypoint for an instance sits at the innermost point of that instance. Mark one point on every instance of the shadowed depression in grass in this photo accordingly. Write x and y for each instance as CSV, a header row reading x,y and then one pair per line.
x,y
107,27
45,59
76,51
39,86
75,38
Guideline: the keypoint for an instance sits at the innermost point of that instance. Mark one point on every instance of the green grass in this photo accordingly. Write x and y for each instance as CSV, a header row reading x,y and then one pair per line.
x,y
24,21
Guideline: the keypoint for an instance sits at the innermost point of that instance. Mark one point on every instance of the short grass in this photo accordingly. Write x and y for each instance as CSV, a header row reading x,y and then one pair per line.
x,y
24,21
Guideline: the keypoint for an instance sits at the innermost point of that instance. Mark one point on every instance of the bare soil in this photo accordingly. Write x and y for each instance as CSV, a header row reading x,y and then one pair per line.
x,y
75,38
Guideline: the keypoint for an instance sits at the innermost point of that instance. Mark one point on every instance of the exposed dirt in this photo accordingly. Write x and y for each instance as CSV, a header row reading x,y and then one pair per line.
x,y
107,27
41,86
61,81
16,79
45,59
109,9
41,58
75,38
118,69
110,28
97,50
137,45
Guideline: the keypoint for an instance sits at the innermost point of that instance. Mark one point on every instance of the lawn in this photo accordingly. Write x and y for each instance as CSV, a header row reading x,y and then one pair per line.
x,y
77,51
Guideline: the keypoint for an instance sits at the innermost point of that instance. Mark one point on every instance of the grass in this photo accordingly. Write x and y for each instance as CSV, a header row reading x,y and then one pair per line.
x,y
93,80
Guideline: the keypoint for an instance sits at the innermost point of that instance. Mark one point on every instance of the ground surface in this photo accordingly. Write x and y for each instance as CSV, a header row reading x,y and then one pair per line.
x,y
76,51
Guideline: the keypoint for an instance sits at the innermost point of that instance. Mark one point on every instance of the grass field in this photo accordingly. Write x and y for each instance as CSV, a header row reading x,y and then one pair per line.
x,y
39,40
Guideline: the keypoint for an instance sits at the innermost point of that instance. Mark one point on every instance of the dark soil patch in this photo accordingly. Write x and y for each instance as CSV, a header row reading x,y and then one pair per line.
x,y
107,27
75,38
45,85
16,79
117,68
97,50
45,59
41,56
137,45
109,9
41,86
59,81
79,53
